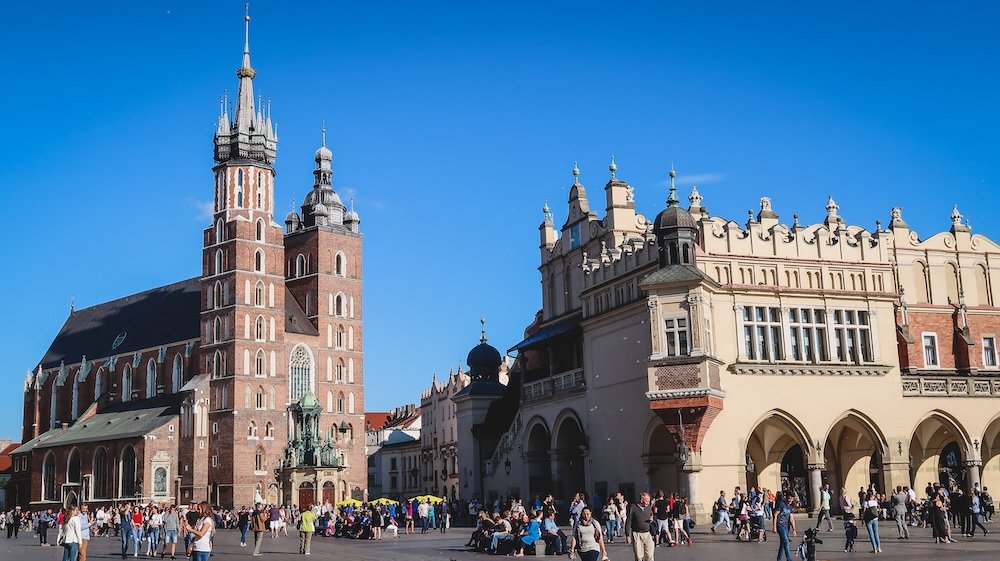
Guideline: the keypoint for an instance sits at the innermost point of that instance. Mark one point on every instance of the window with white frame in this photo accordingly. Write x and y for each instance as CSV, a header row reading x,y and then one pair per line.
x,y
852,341
762,333
989,351
807,330
675,341
930,350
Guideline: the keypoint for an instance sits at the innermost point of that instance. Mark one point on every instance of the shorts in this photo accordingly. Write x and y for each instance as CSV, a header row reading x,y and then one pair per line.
x,y
170,536
275,525
678,524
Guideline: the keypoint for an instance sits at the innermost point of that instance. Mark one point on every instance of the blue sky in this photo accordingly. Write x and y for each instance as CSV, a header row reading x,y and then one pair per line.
x,y
452,123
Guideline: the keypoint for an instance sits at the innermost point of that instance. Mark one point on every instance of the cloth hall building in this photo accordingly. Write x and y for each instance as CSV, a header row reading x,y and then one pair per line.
x,y
694,353
242,383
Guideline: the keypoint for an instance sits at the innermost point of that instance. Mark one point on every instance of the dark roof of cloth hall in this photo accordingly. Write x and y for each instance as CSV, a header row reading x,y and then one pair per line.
x,y
156,317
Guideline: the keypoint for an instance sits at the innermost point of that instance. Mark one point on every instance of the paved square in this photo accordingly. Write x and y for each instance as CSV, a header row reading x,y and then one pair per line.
x,y
437,547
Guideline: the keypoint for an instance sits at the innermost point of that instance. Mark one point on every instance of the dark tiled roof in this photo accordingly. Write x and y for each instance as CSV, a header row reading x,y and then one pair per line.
x,y
675,274
296,320
156,317
121,420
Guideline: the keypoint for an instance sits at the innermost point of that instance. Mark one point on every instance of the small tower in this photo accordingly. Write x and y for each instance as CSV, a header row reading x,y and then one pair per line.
x,y
676,230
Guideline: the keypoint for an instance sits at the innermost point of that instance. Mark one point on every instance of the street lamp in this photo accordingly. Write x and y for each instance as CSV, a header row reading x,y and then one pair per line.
x,y
750,465
506,466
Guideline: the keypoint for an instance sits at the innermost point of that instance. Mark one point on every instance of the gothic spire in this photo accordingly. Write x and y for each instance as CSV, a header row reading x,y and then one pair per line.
x,y
246,73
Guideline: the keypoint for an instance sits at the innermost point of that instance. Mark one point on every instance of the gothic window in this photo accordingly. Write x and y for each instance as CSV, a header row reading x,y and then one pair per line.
x,y
258,461
269,430
259,401
340,370
340,403
151,378
300,265
73,474
177,374
76,399
338,305
271,397
300,373
217,300
99,384
252,429
340,337
338,267
220,231
260,329
260,364
350,403
260,230
258,261
100,471
218,261
126,383
260,198
127,480
49,477
217,330
258,295
350,370
329,401
218,366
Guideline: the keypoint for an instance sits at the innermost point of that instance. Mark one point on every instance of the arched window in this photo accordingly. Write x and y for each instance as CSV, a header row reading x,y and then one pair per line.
x,y
252,429
218,261
127,383
350,403
220,231
259,401
301,373
260,329
260,197
73,473
340,337
340,370
300,265
329,402
339,265
100,471
258,261
127,480
217,299
217,330
350,370
350,433
338,305
269,430
99,384
260,364
260,230
259,462
218,365
151,378
49,477
74,412
258,295
340,402
177,374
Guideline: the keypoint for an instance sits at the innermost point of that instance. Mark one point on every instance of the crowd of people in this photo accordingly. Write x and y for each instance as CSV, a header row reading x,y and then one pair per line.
x,y
514,526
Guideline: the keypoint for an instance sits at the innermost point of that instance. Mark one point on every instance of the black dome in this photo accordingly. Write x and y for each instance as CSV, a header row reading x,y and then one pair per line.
x,y
484,356
674,217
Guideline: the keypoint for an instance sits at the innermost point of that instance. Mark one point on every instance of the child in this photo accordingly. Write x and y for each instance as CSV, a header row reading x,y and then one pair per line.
x,y
850,532
807,550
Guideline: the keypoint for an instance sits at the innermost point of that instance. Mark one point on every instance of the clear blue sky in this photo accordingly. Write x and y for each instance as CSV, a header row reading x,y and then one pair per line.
x,y
452,123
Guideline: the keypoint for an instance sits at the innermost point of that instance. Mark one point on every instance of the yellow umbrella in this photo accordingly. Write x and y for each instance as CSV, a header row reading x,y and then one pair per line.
x,y
349,502
384,501
430,499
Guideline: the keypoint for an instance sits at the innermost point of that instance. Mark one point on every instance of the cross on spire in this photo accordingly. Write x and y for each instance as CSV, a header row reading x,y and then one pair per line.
x,y
482,333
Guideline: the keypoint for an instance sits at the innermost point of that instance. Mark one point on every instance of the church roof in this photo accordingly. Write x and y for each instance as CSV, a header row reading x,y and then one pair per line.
x,y
162,315
296,320
121,420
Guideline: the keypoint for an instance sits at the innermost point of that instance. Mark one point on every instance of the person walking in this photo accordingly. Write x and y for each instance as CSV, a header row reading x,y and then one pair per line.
x,y
977,511
638,525
258,524
722,513
201,546
307,525
899,500
783,524
587,538
69,534
423,511
84,517
870,509
126,529
824,507
44,520
171,525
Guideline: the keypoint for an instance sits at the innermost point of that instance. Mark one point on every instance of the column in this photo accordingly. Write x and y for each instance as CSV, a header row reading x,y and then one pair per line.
x,y
815,481
972,473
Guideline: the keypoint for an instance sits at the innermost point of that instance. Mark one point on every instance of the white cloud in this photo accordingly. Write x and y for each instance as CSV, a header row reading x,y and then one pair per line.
x,y
205,209
700,178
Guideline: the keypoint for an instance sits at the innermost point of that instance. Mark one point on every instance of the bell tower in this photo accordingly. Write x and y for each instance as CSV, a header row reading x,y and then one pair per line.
x,y
243,318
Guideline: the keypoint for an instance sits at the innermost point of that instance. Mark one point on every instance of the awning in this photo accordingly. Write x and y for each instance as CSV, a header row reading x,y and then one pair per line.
x,y
547,333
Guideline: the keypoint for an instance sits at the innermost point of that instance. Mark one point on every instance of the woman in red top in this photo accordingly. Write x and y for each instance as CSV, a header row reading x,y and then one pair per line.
x,y
137,529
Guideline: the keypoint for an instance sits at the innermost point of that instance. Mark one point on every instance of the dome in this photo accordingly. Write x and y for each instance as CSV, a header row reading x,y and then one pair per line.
x,y
674,217
484,357
319,209
292,218
352,217
323,153
325,195
308,400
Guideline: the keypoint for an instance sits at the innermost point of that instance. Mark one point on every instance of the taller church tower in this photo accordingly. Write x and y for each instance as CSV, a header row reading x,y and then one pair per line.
x,y
243,297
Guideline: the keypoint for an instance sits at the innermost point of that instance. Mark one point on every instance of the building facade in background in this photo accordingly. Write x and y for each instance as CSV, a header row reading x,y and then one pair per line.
x,y
244,383
694,353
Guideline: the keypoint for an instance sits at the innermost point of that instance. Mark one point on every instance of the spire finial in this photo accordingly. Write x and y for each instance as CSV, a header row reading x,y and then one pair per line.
x,y
576,173
482,333
72,304
672,199
323,130
613,166
246,30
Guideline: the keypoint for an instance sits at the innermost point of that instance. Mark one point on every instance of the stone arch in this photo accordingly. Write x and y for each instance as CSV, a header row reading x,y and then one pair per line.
x,y
779,448
659,457
854,451
569,446
990,454
930,437
537,443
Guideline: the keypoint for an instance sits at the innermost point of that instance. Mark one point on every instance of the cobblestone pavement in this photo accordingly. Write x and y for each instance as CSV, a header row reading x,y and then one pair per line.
x,y
436,546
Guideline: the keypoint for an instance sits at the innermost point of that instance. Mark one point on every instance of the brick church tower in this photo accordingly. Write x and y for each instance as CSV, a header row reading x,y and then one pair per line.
x,y
243,327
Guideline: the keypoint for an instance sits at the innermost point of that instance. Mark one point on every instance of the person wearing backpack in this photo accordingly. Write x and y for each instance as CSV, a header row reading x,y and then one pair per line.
x,y
587,538
870,509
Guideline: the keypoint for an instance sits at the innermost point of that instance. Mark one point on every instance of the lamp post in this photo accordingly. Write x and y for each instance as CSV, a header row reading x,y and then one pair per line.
x,y
506,466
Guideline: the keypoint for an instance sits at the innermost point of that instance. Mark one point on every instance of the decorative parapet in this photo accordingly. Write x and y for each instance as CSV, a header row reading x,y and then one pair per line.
x,y
555,384
799,369
678,394
950,386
